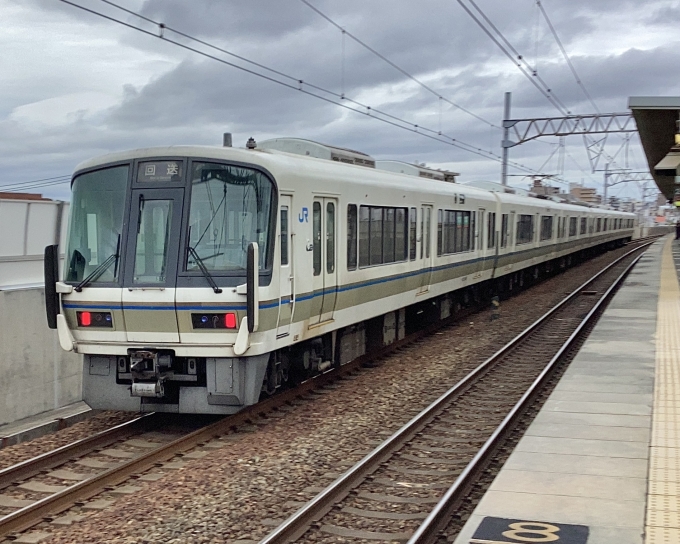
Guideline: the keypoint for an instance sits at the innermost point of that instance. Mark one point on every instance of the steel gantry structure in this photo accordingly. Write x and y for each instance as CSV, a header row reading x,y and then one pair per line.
x,y
524,130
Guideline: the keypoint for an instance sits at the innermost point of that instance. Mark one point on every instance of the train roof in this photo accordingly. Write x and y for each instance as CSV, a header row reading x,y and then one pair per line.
x,y
284,165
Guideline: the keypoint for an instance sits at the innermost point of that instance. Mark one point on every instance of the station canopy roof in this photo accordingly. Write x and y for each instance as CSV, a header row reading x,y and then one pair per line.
x,y
656,118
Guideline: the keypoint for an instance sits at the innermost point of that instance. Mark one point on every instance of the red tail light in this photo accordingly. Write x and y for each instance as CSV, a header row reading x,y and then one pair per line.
x,y
95,319
230,321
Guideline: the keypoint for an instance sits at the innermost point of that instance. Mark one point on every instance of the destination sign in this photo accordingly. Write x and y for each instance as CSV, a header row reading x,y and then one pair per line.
x,y
159,171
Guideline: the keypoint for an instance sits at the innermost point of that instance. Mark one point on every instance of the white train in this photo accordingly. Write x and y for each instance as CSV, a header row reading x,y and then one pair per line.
x,y
197,278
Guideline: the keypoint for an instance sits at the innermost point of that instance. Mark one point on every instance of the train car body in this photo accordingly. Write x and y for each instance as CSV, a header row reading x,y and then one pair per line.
x,y
197,278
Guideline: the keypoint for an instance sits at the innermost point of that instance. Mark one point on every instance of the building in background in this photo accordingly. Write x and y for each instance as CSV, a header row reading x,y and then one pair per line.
x,y
539,189
585,194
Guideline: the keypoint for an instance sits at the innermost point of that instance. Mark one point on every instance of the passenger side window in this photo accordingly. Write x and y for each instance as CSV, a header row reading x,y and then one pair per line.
x,y
572,226
546,227
375,238
455,231
428,219
413,222
525,229
382,235
504,230
364,235
440,234
284,235
491,241
400,238
351,237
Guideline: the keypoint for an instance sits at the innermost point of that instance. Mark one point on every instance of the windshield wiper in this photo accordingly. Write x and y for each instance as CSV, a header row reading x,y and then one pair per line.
x,y
204,270
103,267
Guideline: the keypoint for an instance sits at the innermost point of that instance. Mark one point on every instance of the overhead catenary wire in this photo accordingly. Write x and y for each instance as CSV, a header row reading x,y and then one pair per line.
x,y
520,62
521,58
22,186
515,57
583,171
347,33
292,83
542,11
297,82
35,180
27,188
540,168
565,55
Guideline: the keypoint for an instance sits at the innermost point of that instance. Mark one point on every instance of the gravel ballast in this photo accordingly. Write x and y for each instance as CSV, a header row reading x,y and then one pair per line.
x,y
11,455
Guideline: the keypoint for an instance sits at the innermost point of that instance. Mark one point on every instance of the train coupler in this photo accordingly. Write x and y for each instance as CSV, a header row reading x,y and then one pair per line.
x,y
148,389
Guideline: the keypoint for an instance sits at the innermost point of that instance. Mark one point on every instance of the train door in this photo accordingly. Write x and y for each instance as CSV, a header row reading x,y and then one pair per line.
x,y
324,259
479,239
511,231
286,283
426,247
151,265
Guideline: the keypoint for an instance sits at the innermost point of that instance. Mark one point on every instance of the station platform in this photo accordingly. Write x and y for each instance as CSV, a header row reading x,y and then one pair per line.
x,y
601,461
41,424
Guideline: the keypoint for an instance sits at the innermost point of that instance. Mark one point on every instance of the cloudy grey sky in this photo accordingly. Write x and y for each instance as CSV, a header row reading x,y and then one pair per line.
x,y
75,85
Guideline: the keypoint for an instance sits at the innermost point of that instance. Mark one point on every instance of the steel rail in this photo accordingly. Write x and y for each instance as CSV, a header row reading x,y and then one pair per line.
x,y
298,523
58,456
440,516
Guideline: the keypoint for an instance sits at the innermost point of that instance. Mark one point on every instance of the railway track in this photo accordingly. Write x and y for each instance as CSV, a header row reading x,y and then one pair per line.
x,y
409,486
41,488
31,492
27,504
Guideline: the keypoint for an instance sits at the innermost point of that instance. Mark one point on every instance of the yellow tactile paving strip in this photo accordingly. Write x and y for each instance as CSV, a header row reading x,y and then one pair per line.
x,y
663,501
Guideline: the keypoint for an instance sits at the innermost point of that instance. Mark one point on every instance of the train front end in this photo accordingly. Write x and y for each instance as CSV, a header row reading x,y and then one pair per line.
x,y
166,259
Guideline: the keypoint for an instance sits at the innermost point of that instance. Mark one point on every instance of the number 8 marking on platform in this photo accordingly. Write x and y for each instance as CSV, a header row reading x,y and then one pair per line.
x,y
546,532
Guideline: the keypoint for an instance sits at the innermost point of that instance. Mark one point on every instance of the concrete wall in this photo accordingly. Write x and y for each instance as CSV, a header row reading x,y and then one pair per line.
x,y
643,232
35,373
652,231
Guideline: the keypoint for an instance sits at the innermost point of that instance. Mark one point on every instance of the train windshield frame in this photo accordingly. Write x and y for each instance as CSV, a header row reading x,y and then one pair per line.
x,y
95,231
218,208
230,207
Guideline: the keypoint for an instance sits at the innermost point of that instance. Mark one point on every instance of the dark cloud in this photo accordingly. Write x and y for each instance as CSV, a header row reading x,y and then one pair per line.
x,y
665,15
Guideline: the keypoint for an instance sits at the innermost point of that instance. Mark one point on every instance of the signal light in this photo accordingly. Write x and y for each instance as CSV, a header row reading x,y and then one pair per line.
x,y
230,321
85,319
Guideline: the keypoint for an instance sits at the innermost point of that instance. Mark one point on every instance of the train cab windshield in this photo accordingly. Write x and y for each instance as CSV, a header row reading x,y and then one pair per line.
x,y
229,207
96,224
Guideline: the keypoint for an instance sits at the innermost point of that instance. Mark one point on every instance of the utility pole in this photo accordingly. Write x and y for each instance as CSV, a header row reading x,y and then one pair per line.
x,y
505,144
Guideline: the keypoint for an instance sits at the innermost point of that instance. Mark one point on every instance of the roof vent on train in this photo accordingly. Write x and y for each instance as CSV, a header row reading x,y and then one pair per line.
x,y
419,170
497,187
318,150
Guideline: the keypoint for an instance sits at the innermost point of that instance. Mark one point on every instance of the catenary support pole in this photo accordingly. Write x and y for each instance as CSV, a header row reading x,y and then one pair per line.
x,y
505,143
